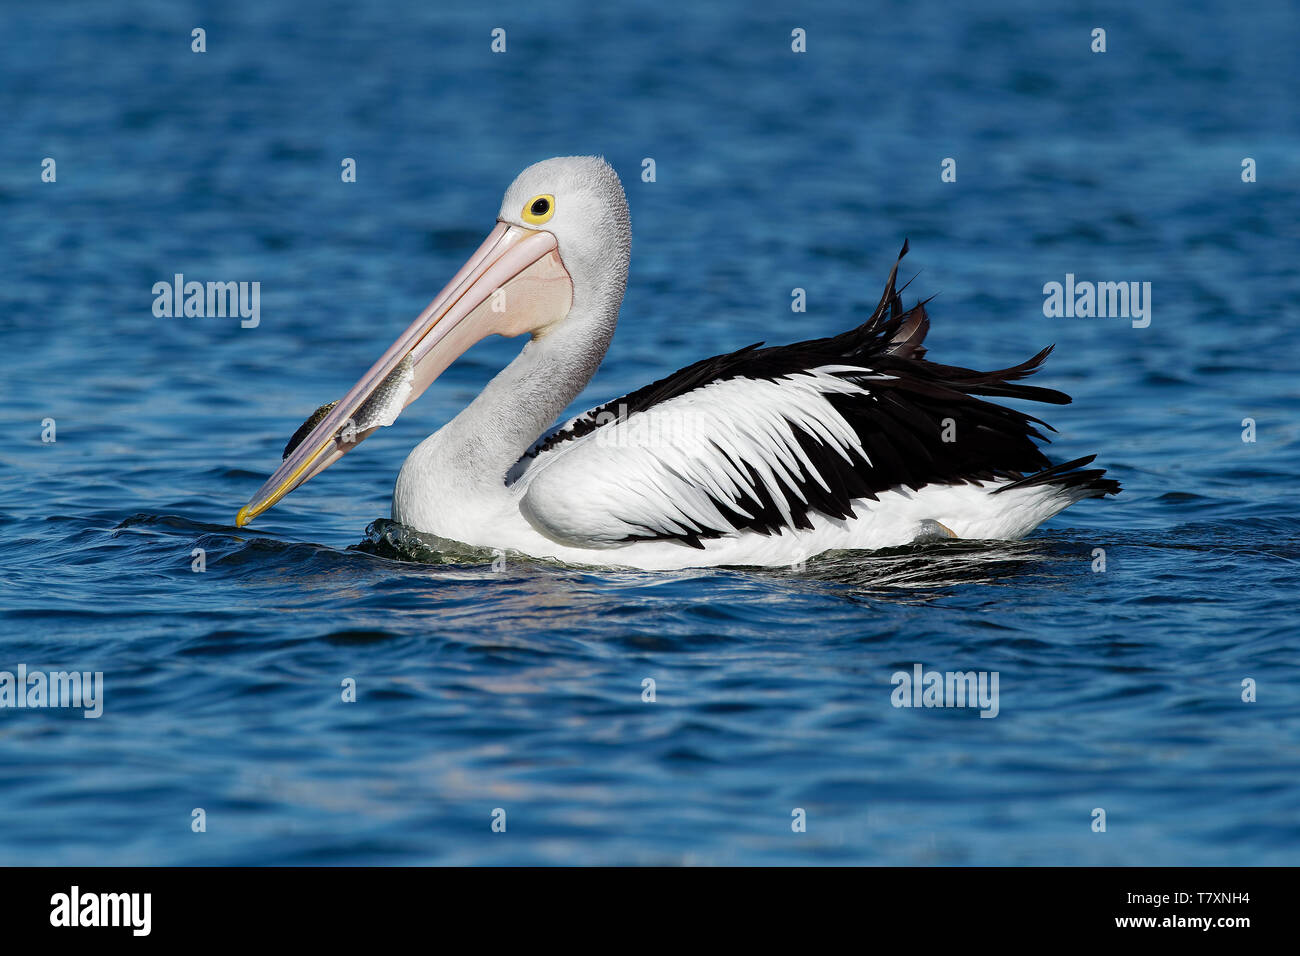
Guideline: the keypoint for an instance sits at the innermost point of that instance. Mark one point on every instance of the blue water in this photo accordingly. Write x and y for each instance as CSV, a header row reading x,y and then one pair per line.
x,y
521,689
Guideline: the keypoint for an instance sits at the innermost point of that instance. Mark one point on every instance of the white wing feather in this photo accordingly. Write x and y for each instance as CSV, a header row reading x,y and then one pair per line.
x,y
663,471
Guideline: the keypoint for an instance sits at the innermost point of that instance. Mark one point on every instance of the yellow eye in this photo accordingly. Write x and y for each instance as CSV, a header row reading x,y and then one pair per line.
x,y
539,209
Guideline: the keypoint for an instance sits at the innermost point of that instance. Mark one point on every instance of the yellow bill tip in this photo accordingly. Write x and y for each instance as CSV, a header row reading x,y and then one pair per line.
x,y
243,517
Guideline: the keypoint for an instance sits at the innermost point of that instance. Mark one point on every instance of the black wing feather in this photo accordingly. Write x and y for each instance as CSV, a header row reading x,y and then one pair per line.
x,y
900,420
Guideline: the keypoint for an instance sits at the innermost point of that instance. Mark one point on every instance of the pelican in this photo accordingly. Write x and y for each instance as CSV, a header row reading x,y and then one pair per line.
x,y
759,457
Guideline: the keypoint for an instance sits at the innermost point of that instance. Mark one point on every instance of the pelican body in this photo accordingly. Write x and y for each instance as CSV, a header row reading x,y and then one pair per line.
x,y
759,457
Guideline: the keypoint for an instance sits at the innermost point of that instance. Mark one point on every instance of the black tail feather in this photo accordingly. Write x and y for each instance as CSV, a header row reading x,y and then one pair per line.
x,y
1064,476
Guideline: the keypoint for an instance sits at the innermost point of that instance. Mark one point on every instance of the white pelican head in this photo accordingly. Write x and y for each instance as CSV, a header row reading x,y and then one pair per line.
x,y
560,248
579,200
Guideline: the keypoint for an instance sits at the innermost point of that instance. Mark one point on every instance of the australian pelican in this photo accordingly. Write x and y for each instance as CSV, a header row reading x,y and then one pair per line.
x,y
763,456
